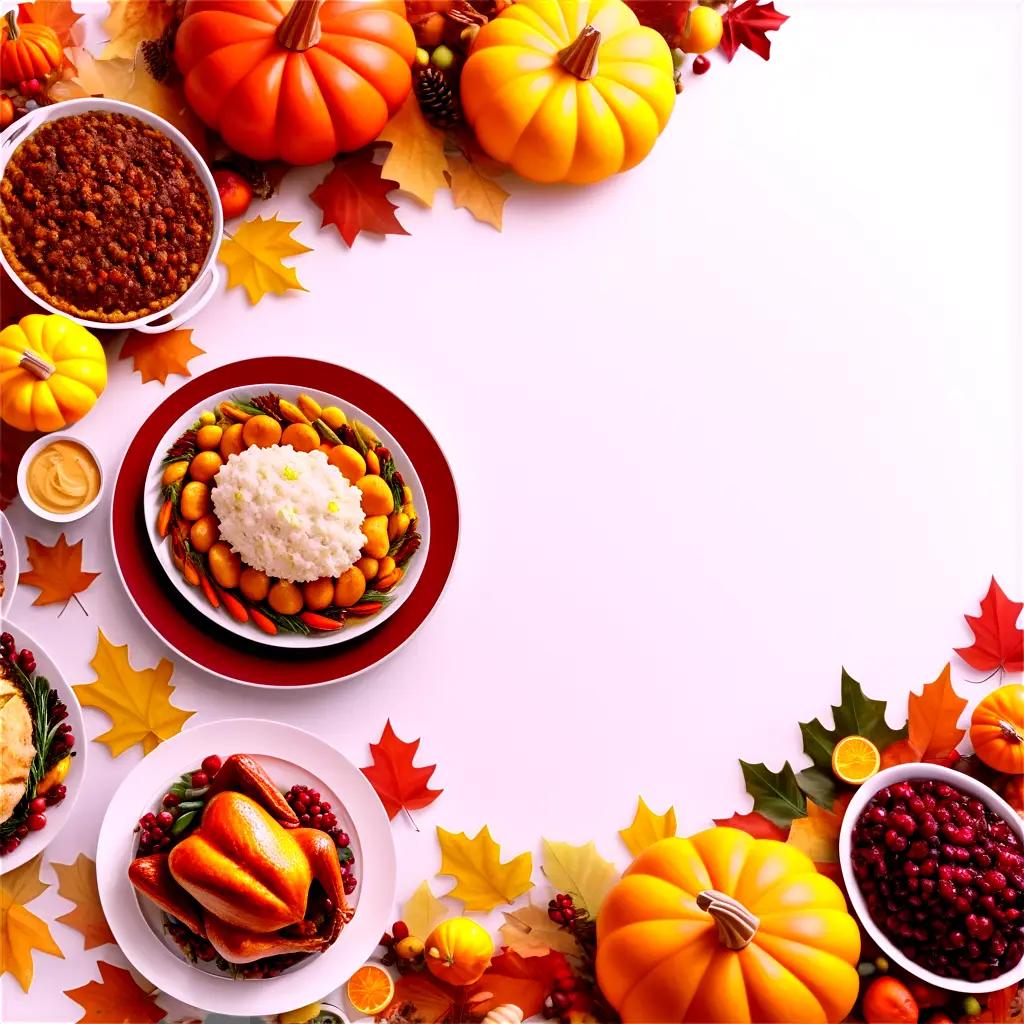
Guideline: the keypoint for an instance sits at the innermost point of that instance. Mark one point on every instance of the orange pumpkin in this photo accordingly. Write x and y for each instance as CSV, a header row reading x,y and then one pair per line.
x,y
724,927
458,951
997,729
298,82
888,1001
6,110
27,50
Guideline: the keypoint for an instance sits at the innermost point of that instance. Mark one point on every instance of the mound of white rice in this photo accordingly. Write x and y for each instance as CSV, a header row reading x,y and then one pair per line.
x,y
289,513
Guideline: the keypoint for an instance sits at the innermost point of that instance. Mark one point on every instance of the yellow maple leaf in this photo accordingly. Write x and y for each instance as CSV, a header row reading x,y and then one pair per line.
x,y
530,932
56,571
482,882
579,871
416,159
131,22
157,356
475,191
20,930
137,700
648,828
817,835
78,884
253,257
422,911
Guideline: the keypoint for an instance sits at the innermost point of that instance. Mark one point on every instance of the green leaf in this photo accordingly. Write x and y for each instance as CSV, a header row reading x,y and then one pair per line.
x,y
777,795
818,744
819,786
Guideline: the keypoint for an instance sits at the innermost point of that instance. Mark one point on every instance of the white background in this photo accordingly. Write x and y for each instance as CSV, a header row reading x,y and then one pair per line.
x,y
720,426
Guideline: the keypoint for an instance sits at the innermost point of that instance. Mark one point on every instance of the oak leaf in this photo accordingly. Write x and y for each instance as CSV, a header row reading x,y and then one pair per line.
x,y
56,571
579,871
648,828
933,731
754,824
254,253
422,911
58,14
157,356
21,931
136,700
475,191
354,198
482,881
398,783
78,884
416,159
998,643
116,999
131,22
746,25
530,932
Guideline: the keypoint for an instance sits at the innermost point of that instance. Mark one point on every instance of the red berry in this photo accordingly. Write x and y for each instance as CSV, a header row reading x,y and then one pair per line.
x,y
211,765
165,819
38,805
342,839
68,740
200,779
147,819
400,930
35,822
21,831
170,800
701,65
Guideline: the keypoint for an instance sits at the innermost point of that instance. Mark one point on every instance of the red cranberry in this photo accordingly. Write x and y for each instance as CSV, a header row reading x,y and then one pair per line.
x,y
200,779
35,822
211,765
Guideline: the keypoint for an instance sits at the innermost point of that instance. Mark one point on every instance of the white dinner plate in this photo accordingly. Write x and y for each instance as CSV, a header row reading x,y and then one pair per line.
x,y
289,756
194,595
56,817
12,558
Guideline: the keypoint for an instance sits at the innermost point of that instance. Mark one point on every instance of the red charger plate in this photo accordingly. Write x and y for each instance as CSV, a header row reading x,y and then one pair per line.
x,y
221,652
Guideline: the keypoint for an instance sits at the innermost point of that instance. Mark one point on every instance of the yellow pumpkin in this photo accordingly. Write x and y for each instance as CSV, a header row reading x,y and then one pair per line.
x,y
52,370
724,927
458,951
573,90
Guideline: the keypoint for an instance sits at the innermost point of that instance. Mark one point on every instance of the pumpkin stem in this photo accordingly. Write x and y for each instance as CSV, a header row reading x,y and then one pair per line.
x,y
737,926
36,365
13,32
300,28
579,58
1010,732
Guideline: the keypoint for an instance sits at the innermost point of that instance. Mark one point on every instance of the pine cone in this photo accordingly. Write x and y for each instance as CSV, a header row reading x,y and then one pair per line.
x,y
436,97
156,53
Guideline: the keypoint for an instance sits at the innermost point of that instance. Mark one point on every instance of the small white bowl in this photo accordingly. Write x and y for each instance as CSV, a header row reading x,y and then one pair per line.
x,y
26,460
863,796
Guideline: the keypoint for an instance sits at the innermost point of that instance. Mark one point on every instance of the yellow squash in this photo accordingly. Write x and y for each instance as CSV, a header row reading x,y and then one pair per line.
x,y
458,951
52,370
573,90
723,927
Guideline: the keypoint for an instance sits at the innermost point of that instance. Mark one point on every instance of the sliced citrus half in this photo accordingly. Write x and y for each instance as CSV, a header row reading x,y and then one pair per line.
x,y
370,989
855,759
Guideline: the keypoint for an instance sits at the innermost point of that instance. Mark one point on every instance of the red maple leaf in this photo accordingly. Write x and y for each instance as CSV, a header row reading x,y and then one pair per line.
x,y
746,25
754,824
354,197
523,981
392,775
998,643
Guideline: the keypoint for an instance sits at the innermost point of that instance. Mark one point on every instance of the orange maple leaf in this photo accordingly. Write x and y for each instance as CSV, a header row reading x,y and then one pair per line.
x,y
156,356
933,715
55,13
115,999
78,884
56,571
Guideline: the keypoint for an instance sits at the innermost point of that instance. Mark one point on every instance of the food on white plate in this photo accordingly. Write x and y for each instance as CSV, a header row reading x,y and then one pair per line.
x,y
35,743
251,878
289,517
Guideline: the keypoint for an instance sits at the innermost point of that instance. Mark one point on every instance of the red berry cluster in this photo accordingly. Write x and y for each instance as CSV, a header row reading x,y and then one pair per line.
x,y
562,910
34,812
314,812
156,830
196,948
943,877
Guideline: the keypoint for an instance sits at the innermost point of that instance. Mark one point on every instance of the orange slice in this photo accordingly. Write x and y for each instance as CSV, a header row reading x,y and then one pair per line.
x,y
370,989
855,759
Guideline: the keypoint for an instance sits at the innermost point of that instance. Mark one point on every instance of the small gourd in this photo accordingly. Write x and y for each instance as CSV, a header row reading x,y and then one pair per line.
x,y
52,370
28,50
458,951
997,729
507,1013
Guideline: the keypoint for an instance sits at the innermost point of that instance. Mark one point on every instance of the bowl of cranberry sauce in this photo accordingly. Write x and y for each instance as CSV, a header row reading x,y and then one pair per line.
x,y
934,866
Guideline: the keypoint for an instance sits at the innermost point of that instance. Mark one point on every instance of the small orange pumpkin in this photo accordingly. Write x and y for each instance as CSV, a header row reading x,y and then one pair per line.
x,y
997,729
458,951
889,1001
27,50
298,82
6,110
722,927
